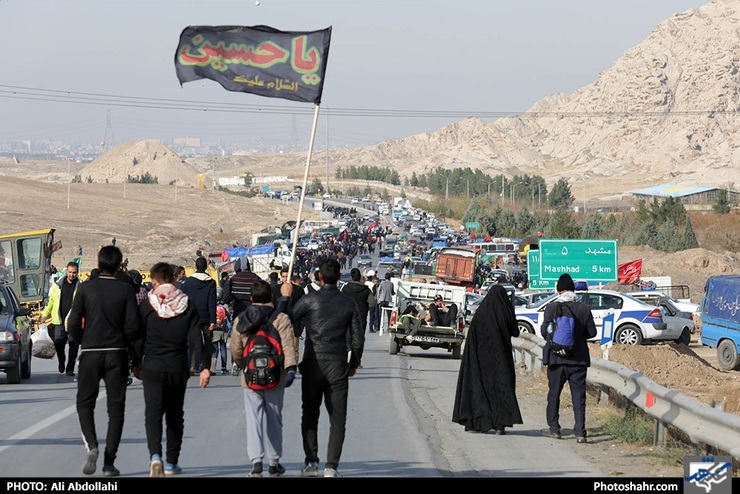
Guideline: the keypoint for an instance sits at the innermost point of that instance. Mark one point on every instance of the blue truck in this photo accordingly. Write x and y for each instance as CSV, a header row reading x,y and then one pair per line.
x,y
720,319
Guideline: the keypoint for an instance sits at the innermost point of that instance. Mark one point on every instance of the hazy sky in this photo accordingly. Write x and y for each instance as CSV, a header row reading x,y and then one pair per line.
x,y
67,63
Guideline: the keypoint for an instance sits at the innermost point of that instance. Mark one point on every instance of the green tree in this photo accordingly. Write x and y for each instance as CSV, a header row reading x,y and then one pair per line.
x,y
316,187
525,221
594,226
563,225
560,197
721,202
689,236
473,212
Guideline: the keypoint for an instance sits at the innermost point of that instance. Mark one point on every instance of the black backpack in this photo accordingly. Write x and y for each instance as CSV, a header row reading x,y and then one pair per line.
x,y
263,356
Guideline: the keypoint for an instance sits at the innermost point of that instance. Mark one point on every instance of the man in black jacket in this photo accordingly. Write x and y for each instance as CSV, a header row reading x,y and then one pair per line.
x,y
332,325
111,326
571,369
171,326
362,295
201,289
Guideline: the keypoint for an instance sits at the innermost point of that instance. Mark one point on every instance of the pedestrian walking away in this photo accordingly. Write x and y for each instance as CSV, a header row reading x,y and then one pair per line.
x,y
170,326
363,297
104,321
332,322
485,398
201,290
264,407
572,368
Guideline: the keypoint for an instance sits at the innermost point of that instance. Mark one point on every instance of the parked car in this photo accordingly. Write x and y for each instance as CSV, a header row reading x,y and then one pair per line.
x,y
364,261
653,297
15,337
534,297
678,320
635,322
473,301
355,200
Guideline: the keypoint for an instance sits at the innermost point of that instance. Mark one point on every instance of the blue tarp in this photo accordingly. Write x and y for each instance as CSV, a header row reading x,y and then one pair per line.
x,y
723,298
258,250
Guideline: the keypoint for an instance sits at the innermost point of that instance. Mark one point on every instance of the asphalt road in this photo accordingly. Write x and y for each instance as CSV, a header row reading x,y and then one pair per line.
x,y
398,426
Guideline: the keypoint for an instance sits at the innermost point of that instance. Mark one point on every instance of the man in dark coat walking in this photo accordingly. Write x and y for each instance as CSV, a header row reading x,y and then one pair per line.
x,y
570,369
201,289
362,295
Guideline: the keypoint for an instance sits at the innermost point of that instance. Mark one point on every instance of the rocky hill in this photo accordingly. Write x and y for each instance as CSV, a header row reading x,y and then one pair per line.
x,y
665,112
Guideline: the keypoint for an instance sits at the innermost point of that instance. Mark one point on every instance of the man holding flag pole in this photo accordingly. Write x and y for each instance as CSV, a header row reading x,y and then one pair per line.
x,y
289,65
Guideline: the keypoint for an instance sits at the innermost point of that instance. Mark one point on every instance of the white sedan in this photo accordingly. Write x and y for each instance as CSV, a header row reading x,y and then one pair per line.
x,y
635,322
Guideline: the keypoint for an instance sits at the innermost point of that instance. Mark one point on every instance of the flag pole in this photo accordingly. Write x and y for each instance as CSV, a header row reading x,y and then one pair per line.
x,y
303,195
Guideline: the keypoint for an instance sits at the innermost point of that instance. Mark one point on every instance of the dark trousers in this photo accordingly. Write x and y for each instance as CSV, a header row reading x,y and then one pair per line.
x,y
327,380
207,336
112,368
60,342
164,397
374,322
575,376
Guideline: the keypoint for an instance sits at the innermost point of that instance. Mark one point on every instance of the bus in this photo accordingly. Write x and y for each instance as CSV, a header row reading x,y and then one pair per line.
x,y
496,248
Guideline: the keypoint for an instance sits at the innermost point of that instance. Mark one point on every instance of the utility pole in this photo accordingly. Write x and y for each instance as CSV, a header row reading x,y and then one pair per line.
x,y
584,196
327,151
502,190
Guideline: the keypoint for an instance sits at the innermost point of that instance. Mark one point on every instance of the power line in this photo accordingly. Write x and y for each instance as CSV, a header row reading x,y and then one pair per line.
x,y
74,97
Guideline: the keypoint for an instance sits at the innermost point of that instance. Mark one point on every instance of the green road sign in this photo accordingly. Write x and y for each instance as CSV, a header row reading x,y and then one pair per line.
x,y
591,260
534,282
472,224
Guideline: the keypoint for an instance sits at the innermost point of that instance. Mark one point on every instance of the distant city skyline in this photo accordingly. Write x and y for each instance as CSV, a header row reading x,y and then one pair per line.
x,y
396,68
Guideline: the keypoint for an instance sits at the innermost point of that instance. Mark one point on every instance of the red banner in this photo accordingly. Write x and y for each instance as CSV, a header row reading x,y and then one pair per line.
x,y
629,272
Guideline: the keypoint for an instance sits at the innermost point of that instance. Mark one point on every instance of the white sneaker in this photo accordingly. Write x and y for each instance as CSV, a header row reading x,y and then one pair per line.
x,y
331,472
311,470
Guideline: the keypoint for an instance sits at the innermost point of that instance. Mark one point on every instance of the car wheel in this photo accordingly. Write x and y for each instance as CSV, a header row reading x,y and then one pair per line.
x,y
14,373
26,366
727,355
685,337
393,348
525,327
629,335
456,352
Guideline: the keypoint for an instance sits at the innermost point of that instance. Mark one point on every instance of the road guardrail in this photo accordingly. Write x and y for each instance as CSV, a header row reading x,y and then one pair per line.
x,y
702,423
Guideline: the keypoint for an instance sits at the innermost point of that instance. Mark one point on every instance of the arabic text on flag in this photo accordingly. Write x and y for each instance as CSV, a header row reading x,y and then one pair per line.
x,y
256,59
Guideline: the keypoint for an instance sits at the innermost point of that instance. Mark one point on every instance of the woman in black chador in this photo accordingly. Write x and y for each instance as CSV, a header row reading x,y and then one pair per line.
x,y
485,399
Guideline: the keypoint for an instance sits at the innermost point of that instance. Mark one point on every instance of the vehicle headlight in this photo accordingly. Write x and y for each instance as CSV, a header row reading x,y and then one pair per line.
x,y
8,337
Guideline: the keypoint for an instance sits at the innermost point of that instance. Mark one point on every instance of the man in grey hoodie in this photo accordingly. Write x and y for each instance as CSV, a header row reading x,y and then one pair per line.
x,y
201,289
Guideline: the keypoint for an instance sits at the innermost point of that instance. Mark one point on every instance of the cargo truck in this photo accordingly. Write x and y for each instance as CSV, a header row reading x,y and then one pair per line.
x,y
720,319
457,266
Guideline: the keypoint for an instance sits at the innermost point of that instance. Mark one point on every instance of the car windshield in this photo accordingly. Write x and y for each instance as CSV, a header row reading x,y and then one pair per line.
x,y
543,301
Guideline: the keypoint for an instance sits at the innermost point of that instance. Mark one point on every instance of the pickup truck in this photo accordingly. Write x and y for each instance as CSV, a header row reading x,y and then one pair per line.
x,y
720,316
421,295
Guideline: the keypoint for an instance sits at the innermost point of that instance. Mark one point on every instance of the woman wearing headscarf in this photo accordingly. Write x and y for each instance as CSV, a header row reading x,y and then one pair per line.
x,y
485,398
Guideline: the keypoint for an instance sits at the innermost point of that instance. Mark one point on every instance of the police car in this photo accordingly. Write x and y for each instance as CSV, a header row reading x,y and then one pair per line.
x,y
635,322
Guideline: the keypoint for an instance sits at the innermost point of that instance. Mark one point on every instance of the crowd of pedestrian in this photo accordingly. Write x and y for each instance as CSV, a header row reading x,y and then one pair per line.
x,y
177,326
